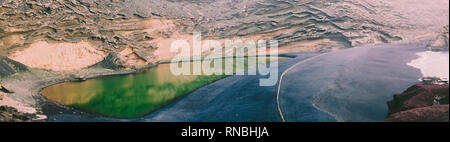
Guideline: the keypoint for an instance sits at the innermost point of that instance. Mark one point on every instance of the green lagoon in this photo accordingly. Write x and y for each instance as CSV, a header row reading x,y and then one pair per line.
x,y
134,95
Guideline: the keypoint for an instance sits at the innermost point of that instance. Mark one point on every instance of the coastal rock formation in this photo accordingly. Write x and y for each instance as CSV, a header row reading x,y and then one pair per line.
x,y
9,67
420,103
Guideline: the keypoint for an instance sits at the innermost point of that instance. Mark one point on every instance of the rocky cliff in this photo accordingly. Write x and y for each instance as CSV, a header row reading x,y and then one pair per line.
x,y
348,22
111,26
423,103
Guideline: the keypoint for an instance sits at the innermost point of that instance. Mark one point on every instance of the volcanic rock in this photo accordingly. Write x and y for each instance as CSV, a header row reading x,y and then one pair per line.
x,y
421,102
9,67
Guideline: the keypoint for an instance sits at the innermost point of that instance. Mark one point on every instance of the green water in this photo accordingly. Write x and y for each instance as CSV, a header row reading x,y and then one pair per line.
x,y
130,96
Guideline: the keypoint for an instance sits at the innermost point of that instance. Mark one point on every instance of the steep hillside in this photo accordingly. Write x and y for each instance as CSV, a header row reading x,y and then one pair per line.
x,y
8,67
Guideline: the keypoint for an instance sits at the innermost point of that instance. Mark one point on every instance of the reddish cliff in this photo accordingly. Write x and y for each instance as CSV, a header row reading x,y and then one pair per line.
x,y
423,103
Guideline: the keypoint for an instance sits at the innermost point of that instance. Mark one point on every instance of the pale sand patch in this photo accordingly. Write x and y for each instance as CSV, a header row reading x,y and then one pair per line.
x,y
128,50
59,56
432,64
6,101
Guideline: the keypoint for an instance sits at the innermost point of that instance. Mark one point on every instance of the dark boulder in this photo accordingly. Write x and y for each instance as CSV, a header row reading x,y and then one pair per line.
x,y
113,61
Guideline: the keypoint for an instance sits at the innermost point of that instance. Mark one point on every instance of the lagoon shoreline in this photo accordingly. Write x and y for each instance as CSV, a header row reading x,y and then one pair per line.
x,y
39,79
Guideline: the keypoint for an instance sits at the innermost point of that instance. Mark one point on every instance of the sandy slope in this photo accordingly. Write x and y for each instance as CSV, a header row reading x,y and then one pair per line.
x,y
61,56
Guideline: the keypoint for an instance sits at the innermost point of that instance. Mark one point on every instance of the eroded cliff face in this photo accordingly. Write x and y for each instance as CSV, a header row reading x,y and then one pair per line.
x,y
69,34
148,27
59,56
441,41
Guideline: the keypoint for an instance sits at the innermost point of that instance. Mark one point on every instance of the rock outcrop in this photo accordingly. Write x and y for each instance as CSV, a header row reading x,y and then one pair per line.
x,y
421,102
